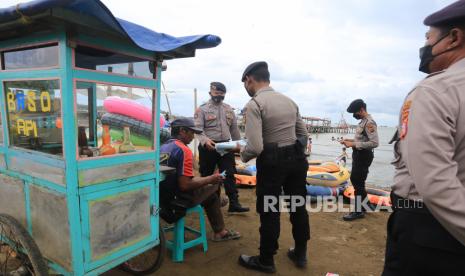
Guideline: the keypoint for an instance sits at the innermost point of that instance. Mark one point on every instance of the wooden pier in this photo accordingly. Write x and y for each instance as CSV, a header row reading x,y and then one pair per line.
x,y
314,125
319,125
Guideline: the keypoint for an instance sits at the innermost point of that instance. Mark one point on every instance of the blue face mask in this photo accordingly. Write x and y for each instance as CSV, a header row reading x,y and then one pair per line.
x,y
426,55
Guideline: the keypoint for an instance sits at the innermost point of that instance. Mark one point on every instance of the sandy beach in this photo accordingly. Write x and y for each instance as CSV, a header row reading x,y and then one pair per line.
x,y
334,246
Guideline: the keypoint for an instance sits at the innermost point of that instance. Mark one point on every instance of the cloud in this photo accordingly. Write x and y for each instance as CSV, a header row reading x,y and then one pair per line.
x,y
323,54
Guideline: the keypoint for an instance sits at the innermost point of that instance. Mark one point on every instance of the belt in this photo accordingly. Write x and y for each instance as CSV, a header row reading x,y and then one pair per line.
x,y
408,205
221,141
278,145
362,150
281,151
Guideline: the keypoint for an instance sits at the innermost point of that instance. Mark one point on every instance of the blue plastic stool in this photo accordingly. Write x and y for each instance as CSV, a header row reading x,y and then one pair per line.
x,y
178,244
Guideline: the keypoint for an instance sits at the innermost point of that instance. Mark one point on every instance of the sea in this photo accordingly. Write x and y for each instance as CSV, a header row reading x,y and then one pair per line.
x,y
325,149
381,171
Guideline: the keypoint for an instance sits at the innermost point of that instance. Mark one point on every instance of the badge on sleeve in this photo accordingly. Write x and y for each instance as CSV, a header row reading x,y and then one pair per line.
x,y
371,127
404,119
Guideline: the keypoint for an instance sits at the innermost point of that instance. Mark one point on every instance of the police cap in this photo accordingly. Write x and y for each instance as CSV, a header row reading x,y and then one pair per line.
x,y
187,123
356,105
253,67
218,86
451,13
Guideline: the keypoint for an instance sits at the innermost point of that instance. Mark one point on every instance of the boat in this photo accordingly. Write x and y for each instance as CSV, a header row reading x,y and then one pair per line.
x,y
375,196
246,180
328,174
246,170
323,191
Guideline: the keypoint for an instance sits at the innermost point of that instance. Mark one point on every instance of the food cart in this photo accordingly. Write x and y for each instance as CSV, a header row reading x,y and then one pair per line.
x,y
77,195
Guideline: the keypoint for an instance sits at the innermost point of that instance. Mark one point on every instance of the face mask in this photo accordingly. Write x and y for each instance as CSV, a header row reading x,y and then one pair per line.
x,y
426,55
357,116
249,91
217,99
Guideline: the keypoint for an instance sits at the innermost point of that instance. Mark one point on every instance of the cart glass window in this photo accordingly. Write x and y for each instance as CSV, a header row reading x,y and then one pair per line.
x,y
33,57
105,61
34,115
113,119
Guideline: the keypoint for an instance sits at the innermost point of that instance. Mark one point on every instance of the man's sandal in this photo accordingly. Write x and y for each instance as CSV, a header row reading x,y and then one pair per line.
x,y
230,235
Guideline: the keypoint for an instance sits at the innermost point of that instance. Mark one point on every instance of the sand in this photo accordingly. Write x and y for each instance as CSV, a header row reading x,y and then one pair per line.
x,y
347,248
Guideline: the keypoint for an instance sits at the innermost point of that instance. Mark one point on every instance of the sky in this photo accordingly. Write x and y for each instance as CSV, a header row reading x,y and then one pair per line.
x,y
322,54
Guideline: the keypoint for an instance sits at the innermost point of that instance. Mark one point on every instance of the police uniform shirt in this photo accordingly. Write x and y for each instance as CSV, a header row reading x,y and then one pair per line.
x,y
430,151
366,134
271,117
217,121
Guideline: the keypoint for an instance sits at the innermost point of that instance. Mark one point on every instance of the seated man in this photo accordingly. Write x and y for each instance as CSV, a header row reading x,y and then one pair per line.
x,y
181,190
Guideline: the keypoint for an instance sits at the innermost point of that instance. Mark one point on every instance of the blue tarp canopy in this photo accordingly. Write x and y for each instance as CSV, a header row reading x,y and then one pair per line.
x,y
100,18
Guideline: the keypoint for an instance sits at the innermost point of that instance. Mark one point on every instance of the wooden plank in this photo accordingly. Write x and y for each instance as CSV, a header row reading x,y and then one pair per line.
x,y
50,227
12,198
123,171
118,221
38,170
2,161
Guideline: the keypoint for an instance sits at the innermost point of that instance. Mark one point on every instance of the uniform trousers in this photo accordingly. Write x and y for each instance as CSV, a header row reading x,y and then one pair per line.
x,y
418,245
361,161
278,170
209,159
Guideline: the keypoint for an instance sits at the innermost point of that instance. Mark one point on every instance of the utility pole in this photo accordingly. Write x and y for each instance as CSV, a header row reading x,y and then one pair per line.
x,y
196,165
166,97
195,99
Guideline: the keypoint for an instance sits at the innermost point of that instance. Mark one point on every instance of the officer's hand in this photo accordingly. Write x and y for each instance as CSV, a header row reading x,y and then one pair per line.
x,y
210,144
216,178
348,143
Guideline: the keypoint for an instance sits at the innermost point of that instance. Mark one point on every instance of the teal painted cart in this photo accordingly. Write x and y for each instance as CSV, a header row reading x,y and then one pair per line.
x,y
72,200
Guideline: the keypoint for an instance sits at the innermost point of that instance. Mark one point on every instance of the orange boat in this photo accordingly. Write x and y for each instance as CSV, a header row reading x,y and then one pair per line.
x,y
329,167
246,180
375,196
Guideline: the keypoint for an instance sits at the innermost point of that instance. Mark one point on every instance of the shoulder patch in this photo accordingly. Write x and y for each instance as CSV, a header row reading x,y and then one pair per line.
x,y
371,127
404,118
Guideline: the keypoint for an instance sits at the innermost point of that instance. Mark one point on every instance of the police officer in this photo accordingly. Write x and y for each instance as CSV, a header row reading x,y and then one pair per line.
x,y
219,124
365,140
277,136
426,231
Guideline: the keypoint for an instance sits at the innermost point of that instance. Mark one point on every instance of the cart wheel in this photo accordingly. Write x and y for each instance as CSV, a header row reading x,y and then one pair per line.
x,y
19,254
147,262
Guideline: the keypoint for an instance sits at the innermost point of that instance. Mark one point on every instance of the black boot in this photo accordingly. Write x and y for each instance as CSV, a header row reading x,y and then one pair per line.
x,y
299,259
353,216
253,262
236,207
